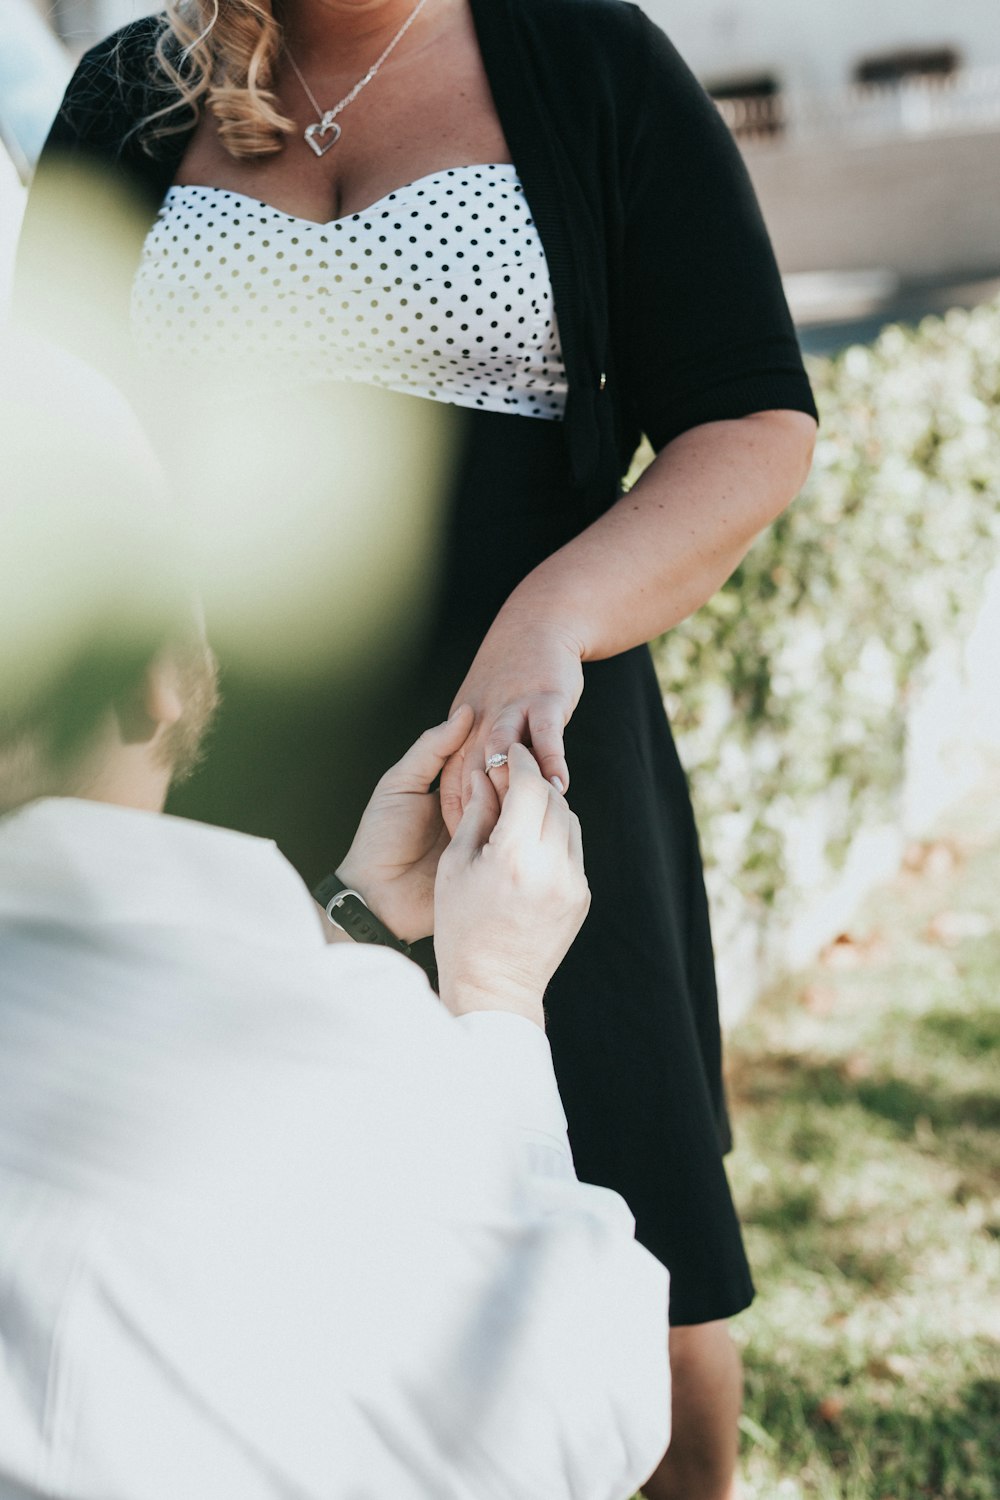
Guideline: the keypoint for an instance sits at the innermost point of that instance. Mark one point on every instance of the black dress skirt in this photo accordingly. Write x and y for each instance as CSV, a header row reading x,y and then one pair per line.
x,y
633,1013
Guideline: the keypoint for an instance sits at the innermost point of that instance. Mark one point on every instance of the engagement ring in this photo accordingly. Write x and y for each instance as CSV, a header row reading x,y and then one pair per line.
x,y
496,761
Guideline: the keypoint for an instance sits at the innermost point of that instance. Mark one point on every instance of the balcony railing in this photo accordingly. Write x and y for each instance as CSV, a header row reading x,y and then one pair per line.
x,y
966,101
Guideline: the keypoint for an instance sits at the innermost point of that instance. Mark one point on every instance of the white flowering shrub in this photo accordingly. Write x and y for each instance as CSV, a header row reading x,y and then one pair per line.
x,y
792,681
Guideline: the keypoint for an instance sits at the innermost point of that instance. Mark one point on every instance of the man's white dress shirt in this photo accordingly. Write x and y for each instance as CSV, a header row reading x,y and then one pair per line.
x,y
271,1222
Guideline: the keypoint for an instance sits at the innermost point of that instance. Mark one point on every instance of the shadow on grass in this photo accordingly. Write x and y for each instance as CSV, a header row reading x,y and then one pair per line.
x,y
974,1035
899,1102
882,1441
903,1104
819,1124
844,1252
785,1209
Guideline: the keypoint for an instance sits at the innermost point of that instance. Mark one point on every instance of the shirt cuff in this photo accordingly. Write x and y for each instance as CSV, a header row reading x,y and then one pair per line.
x,y
516,1055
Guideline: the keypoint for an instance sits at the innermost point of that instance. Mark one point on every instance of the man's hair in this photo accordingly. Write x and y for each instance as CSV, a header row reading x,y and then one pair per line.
x,y
46,746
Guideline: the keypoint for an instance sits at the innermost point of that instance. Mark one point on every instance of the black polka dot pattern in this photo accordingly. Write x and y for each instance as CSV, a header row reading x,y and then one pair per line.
x,y
440,289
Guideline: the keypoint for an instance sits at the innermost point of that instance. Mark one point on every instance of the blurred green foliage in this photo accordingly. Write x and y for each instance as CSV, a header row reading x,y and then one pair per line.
x,y
795,678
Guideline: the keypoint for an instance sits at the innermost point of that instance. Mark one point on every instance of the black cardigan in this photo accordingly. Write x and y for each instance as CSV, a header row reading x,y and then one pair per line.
x,y
668,299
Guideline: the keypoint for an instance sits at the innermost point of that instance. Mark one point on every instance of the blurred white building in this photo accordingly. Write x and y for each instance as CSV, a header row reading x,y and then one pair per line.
x,y
871,127
817,47
81,22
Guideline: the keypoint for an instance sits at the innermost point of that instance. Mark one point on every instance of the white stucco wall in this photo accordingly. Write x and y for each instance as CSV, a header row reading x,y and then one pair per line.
x,y
82,22
915,207
814,44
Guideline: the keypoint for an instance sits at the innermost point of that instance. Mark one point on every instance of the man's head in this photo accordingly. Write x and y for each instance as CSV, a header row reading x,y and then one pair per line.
x,y
107,684
112,731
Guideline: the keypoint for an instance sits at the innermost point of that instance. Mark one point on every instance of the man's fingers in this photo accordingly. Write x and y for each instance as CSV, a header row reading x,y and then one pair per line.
x,y
478,820
425,759
527,799
557,819
546,727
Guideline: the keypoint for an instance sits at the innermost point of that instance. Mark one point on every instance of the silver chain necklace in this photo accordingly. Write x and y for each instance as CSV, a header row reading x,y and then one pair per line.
x,y
325,132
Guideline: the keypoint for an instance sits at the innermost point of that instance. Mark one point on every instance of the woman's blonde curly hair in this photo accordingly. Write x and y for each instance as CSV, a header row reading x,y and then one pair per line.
x,y
221,55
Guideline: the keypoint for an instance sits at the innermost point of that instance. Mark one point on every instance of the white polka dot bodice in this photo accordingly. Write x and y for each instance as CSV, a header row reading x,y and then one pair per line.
x,y
440,289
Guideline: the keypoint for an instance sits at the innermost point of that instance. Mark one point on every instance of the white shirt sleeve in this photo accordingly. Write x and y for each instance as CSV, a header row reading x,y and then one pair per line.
x,y
515,1058
376,1274
599,1322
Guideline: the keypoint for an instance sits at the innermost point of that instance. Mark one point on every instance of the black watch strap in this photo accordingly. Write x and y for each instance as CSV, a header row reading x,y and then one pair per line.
x,y
348,910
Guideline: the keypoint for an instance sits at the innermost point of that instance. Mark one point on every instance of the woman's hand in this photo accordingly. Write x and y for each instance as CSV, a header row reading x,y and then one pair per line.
x,y
511,894
394,857
523,686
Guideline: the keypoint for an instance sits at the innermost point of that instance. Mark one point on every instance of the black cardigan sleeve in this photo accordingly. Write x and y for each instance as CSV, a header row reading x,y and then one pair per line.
x,y
113,88
704,332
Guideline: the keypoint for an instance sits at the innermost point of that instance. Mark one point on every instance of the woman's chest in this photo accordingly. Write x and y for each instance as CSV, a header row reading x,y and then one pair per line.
x,y
439,289
429,112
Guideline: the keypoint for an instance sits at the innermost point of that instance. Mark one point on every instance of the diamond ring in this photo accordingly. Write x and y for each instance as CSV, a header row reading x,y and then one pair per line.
x,y
496,761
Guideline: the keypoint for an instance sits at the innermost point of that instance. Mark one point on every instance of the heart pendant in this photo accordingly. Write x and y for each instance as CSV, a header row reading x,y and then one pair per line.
x,y
313,135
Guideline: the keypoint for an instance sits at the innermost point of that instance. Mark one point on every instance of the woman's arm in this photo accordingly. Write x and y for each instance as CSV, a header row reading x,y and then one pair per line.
x,y
673,540
705,361
654,558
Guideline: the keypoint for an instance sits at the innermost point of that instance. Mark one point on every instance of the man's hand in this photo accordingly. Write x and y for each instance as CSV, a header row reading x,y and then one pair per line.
x,y
511,894
394,857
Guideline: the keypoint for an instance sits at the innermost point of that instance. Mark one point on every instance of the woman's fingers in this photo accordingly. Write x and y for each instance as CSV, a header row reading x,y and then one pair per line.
x,y
541,724
508,729
546,725
426,759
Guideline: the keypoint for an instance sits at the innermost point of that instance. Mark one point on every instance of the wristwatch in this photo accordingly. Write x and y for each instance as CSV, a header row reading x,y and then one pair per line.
x,y
348,910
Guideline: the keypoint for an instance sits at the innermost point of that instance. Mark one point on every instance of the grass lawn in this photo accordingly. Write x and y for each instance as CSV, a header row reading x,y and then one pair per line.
x,y
867,1109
